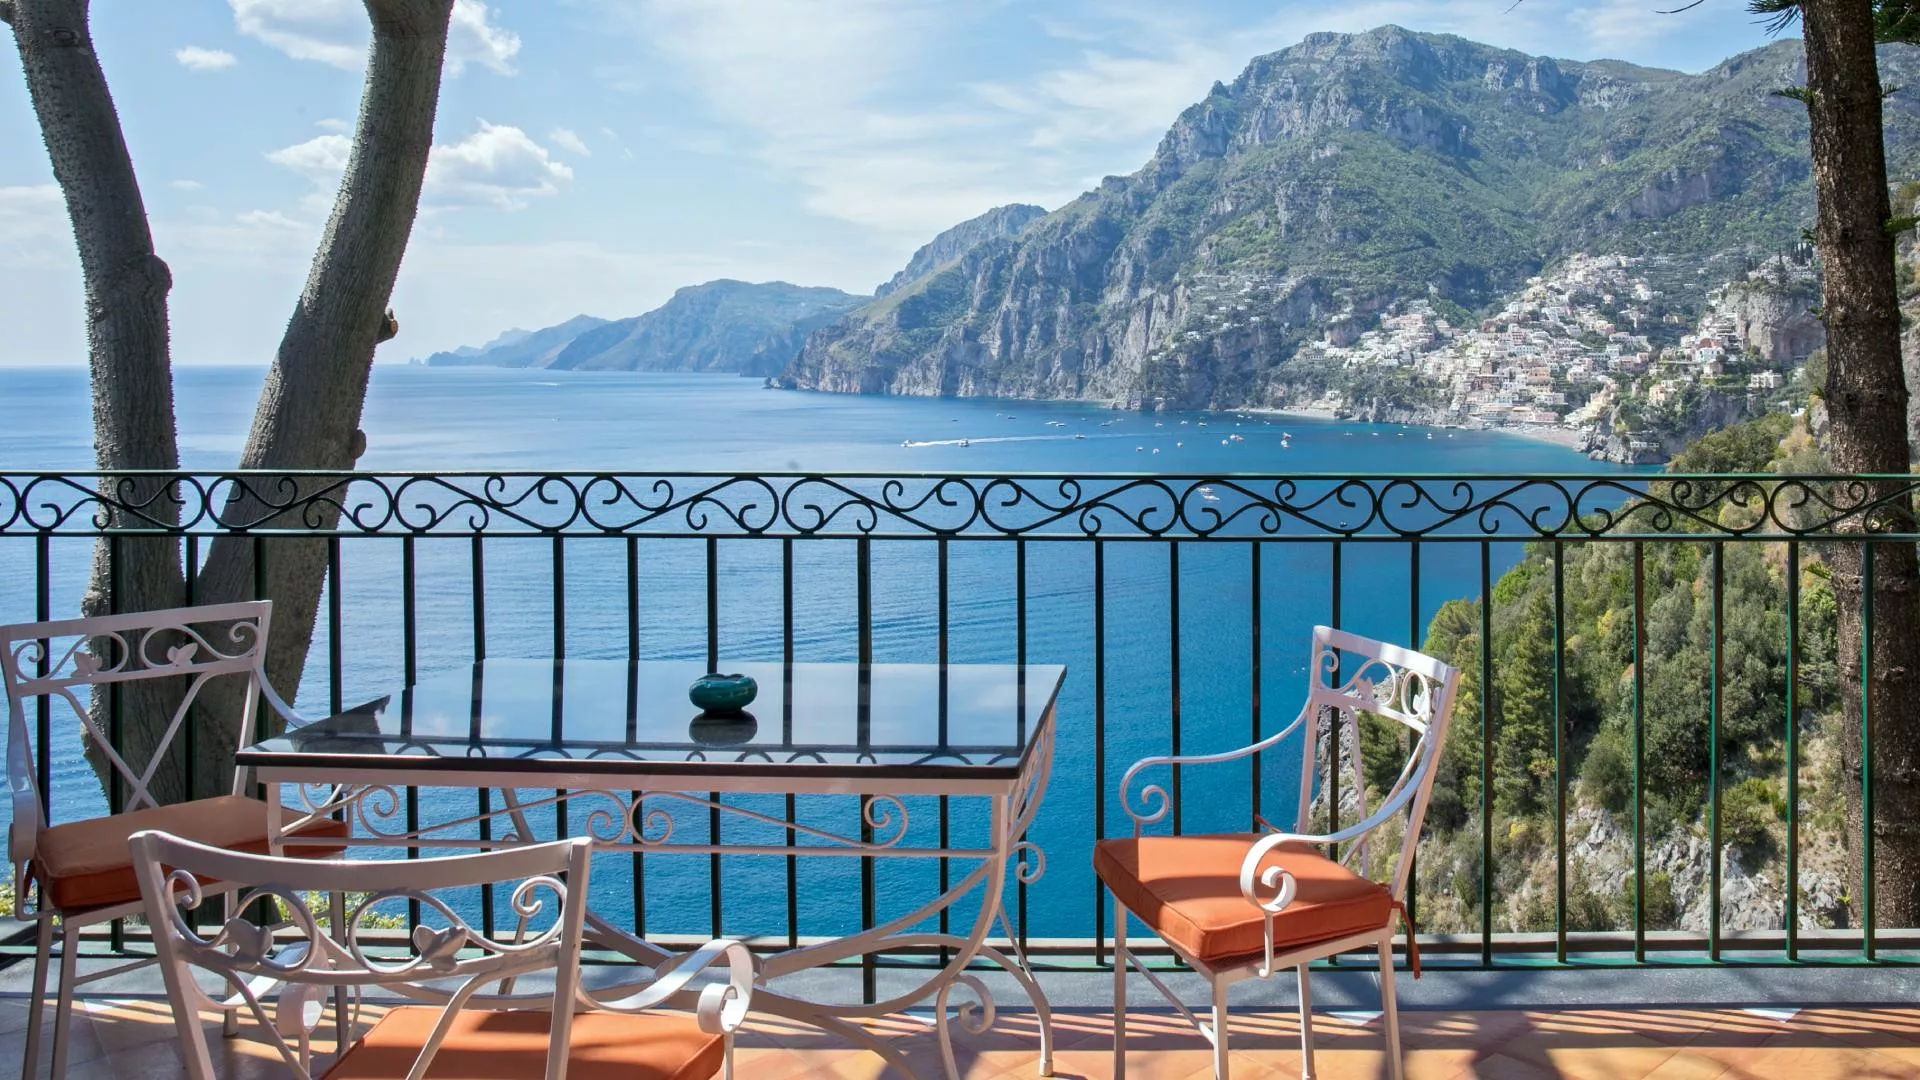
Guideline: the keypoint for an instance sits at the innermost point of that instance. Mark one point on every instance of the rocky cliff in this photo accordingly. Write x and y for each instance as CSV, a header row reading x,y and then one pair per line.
x,y
1776,320
998,223
1326,182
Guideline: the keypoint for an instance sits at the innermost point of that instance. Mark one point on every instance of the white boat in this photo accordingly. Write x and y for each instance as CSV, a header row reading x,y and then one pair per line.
x,y
964,442
1079,436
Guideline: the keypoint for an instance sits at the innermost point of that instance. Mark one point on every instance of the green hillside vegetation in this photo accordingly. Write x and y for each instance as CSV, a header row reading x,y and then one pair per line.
x,y
1597,689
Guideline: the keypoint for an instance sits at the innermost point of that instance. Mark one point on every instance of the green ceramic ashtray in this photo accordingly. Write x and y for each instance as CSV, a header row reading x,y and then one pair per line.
x,y
722,695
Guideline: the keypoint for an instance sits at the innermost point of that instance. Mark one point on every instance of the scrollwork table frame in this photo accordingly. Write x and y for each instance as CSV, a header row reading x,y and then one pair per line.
x,y
616,742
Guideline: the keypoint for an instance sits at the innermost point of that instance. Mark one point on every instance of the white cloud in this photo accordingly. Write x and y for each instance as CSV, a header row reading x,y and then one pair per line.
x,y
565,139
334,123
195,58
335,32
498,165
329,31
813,85
185,185
320,159
33,219
472,39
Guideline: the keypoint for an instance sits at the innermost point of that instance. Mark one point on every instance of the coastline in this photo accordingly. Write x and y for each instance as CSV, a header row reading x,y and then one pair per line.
x,y
1575,441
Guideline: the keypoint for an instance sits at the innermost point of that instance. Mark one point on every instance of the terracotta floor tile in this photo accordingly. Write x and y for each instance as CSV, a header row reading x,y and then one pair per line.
x,y
1502,1067
1808,1056
1688,1065
123,1039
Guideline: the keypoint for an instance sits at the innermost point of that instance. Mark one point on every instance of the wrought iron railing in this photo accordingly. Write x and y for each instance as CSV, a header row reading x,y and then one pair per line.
x,y
1179,605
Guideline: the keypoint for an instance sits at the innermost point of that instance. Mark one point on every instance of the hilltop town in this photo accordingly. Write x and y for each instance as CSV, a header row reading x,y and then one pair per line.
x,y
1597,349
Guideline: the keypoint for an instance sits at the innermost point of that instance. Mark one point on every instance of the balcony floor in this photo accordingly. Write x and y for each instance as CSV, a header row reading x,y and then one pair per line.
x,y
131,1038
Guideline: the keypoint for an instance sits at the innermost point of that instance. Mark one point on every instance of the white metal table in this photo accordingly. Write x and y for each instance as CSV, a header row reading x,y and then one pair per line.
x,y
618,745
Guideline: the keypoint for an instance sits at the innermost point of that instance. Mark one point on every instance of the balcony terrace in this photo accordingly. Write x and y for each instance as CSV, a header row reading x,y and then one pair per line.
x,y
1179,607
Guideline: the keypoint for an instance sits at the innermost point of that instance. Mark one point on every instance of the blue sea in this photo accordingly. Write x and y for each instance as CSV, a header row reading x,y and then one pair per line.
x,y
437,419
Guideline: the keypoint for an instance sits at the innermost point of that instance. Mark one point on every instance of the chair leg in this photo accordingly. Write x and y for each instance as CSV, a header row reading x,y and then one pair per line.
x,y
63,1010
1389,1012
1219,1031
337,918
1306,1021
37,1001
1120,962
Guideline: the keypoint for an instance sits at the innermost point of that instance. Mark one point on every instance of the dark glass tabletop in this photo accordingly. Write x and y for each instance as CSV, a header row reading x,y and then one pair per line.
x,y
542,716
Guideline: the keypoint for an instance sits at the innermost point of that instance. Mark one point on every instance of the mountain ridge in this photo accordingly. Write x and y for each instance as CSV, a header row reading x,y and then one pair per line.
x,y
1331,181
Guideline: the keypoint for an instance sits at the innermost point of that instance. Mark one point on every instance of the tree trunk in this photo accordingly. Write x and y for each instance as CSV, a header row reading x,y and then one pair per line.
x,y
1866,400
309,412
126,305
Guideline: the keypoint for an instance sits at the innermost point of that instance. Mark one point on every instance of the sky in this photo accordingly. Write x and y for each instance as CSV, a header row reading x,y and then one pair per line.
x,y
591,156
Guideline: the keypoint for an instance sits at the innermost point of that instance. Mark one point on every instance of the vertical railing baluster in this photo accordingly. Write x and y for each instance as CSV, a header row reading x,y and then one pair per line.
x,y
1020,660
43,715
943,615
1716,662
1486,754
637,860
715,898
1559,753
1099,738
1793,751
409,611
1639,753
1333,725
1413,642
116,718
336,655
477,563
786,728
1173,681
190,735
1253,678
559,572
1866,751
863,600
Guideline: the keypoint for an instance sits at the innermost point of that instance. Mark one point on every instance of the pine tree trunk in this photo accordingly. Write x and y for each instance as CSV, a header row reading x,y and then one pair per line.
x,y
126,288
309,411
1866,399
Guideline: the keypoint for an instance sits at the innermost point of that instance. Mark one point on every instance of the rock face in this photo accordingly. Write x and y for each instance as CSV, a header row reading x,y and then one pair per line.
x,y
1713,411
997,223
719,326
520,348
1328,181
1776,321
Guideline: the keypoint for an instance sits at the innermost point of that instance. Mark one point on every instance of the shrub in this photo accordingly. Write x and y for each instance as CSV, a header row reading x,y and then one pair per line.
x,y
1606,777
1748,812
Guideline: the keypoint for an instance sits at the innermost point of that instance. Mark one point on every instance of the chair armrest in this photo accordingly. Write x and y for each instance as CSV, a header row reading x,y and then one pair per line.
x,y
1153,800
722,1005
1274,890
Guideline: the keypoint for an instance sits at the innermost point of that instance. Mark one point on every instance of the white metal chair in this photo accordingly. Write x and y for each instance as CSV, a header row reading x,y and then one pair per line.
x,y
1247,905
83,870
458,1014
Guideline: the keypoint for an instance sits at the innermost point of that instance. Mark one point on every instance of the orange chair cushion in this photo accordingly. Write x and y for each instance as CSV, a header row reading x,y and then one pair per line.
x,y
87,864
1187,889
501,1045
